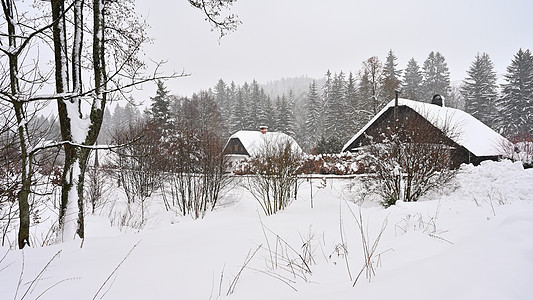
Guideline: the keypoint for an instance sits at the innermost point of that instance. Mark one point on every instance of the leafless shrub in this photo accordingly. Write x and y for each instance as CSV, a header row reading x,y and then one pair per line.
x,y
275,181
196,177
98,185
408,159
194,157
519,147
139,164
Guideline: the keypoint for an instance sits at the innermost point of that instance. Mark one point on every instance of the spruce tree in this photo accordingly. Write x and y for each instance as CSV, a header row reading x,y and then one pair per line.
x,y
436,77
253,106
249,109
160,112
480,90
231,93
268,113
516,103
313,122
222,99
238,121
412,81
334,119
283,116
353,110
391,77
291,118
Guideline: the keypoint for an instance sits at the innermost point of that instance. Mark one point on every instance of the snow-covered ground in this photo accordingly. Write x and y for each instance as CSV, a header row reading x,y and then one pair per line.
x,y
470,240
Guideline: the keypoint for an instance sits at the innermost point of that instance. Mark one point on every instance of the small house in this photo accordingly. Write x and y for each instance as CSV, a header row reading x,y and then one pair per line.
x,y
469,140
248,143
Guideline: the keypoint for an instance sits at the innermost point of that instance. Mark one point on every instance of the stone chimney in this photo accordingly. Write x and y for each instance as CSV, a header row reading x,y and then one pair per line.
x,y
437,100
263,129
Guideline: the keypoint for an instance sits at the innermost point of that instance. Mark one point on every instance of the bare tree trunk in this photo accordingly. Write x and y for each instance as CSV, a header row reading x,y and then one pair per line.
x,y
8,7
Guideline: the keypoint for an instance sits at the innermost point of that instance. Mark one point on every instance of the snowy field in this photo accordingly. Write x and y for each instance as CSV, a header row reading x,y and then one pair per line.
x,y
473,239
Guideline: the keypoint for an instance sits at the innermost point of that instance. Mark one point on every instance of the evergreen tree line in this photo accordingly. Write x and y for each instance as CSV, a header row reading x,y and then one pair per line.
x,y
507,108
328,115
325,117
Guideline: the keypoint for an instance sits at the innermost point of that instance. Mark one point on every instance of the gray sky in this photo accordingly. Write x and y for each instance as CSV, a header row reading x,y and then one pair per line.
x,y
286,38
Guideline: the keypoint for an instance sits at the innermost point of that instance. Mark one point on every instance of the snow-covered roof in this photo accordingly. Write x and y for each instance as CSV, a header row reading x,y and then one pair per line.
x,y
254,141
468,131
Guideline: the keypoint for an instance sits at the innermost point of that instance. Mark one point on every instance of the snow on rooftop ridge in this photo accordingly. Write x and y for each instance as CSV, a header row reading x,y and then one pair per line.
x,y
470,133
254,141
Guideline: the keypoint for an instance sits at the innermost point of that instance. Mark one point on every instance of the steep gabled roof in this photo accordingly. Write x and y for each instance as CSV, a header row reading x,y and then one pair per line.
x,y
255,141
469,132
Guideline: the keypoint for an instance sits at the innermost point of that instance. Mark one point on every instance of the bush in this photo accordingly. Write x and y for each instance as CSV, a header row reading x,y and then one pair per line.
x,y
520,149
408,160
275,177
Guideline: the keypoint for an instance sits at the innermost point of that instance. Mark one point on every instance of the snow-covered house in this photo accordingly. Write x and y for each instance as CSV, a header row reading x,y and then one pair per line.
x,y
246,143
470,140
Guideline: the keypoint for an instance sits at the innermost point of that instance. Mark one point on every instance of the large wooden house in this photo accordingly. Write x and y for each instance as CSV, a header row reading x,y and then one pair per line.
x,y
469,140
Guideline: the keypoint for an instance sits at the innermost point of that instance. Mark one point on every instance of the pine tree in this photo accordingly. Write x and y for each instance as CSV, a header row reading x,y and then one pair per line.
x,y
283,116
223,101
132,113
291,118
231,92
118,121
253,106
391,77
313,122
436,77
238,121
249,109
269,113
335,108
107,126
160,111
516,103
480,91
412,81
353,112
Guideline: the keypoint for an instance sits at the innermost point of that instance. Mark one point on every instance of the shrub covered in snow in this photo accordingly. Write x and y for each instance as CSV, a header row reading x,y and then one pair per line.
x,y
275,183
520,149
326,164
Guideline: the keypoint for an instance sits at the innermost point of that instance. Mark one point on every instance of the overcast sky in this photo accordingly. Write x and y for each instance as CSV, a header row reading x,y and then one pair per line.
x,y
286,38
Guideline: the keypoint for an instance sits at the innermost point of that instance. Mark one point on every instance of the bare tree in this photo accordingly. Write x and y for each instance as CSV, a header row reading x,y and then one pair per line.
x,y
372,84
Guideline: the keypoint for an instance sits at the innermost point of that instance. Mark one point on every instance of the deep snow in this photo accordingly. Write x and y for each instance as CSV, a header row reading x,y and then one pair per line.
x,y
469,240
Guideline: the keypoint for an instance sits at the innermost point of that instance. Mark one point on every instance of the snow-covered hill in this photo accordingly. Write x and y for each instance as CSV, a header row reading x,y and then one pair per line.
x,y
469,240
